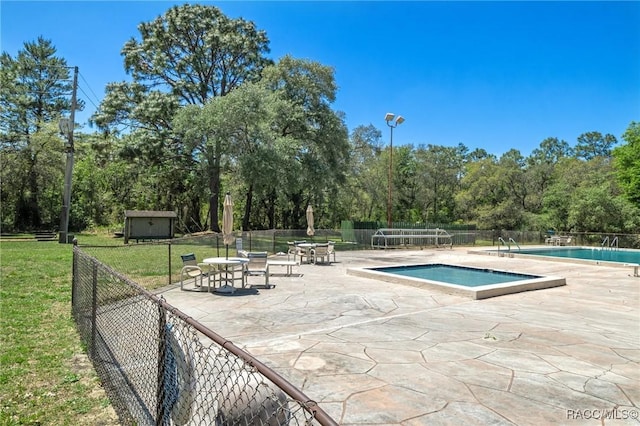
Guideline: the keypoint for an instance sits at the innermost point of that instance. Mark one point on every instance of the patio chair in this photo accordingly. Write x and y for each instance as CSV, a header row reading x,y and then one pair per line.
x,y
332,250
292,250
191,269
320,251
257,265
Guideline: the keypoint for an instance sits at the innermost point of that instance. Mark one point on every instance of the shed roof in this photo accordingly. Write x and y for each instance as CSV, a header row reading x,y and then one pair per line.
x,y
149,213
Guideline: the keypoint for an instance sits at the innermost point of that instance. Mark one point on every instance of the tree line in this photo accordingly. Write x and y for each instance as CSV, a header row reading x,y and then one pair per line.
x,y
206,112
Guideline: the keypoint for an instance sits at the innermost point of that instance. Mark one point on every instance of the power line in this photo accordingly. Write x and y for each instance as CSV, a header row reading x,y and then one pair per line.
x,y
88,99
91,90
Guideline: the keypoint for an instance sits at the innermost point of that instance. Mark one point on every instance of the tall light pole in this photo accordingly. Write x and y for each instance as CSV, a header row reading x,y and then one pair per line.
x,y
392,122
67,125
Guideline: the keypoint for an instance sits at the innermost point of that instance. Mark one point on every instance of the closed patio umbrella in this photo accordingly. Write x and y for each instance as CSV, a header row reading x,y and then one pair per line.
x,y
227,222
310,230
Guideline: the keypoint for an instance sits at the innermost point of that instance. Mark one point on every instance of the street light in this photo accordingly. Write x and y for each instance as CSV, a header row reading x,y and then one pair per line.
x,y
392,122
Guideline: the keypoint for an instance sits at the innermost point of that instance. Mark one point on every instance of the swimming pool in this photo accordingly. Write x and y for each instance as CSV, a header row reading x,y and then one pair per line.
x,y
476,283
587,253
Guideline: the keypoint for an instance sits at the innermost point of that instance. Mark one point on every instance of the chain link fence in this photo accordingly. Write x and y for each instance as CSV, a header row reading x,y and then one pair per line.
x,y
161,367
158,263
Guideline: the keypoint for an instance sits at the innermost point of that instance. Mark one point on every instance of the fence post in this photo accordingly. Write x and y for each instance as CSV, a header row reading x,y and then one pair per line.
x,y
169,283
162,347
273,240
74,275
94,309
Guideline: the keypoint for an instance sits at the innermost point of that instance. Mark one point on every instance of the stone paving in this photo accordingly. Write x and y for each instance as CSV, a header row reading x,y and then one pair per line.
x,y
377,353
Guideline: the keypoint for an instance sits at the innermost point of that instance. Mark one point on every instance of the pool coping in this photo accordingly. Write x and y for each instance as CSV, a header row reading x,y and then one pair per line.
x,y
477,293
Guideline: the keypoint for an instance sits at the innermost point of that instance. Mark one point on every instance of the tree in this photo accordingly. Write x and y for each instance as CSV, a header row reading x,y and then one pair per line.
x,y
594,144
627,163
273,139
233,133
540,166
550,151
364,197
479,154
404,185
568,175
492,192
440,169
104,185
480,189
513,177
34,93
191,54
585,196
595,208
315,136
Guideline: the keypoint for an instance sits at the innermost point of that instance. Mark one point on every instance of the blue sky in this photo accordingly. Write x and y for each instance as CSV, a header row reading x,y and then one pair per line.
x,y
492,75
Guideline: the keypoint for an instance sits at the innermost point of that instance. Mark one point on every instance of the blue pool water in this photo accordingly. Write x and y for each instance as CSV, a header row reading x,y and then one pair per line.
x,y
587,253
460,275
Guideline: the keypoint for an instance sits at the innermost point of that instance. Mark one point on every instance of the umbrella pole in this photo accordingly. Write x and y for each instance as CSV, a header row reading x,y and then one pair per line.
x,y
227,245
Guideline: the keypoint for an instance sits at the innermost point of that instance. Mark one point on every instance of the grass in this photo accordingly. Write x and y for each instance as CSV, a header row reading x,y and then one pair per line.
x,y
45,378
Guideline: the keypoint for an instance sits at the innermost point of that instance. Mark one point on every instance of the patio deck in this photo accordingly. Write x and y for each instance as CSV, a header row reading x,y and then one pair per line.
x,y
371,352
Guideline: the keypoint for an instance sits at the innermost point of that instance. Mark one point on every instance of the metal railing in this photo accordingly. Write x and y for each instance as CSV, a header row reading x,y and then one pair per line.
x,y
613,245
511,240
160,367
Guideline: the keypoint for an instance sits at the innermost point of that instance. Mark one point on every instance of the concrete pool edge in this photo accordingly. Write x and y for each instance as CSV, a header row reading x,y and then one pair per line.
x,y
477,293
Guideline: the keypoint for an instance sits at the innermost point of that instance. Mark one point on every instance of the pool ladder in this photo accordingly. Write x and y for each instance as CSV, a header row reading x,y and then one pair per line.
x,y
613,245
508,244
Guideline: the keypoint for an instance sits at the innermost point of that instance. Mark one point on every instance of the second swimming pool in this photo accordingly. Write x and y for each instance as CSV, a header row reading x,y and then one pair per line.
x,y
586,253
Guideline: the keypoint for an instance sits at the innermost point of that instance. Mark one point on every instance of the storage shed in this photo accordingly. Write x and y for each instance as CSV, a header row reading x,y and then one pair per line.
x,y
148,225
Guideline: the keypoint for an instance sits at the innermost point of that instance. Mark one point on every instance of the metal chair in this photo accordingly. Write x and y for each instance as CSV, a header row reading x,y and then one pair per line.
x,y
332,250
257,265
320,251
191,269
292,250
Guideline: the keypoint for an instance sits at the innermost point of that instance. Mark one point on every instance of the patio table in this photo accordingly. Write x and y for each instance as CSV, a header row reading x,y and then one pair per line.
x,y
307,247
230,266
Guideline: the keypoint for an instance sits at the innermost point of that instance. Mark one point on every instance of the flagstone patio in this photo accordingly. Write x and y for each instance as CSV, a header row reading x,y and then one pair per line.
x,y
377,353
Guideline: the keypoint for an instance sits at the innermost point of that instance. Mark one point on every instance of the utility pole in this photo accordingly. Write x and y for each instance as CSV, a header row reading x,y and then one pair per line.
x,y
67,127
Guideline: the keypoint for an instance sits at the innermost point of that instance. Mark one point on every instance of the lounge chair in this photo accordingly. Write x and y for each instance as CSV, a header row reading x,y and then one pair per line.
x,y
257,265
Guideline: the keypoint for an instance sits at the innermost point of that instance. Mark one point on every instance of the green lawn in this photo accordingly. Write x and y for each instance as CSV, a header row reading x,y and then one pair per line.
x,y
45,377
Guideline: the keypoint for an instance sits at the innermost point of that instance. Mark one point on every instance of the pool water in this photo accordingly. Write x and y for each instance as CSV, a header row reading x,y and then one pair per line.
x,y
460,275
587,253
